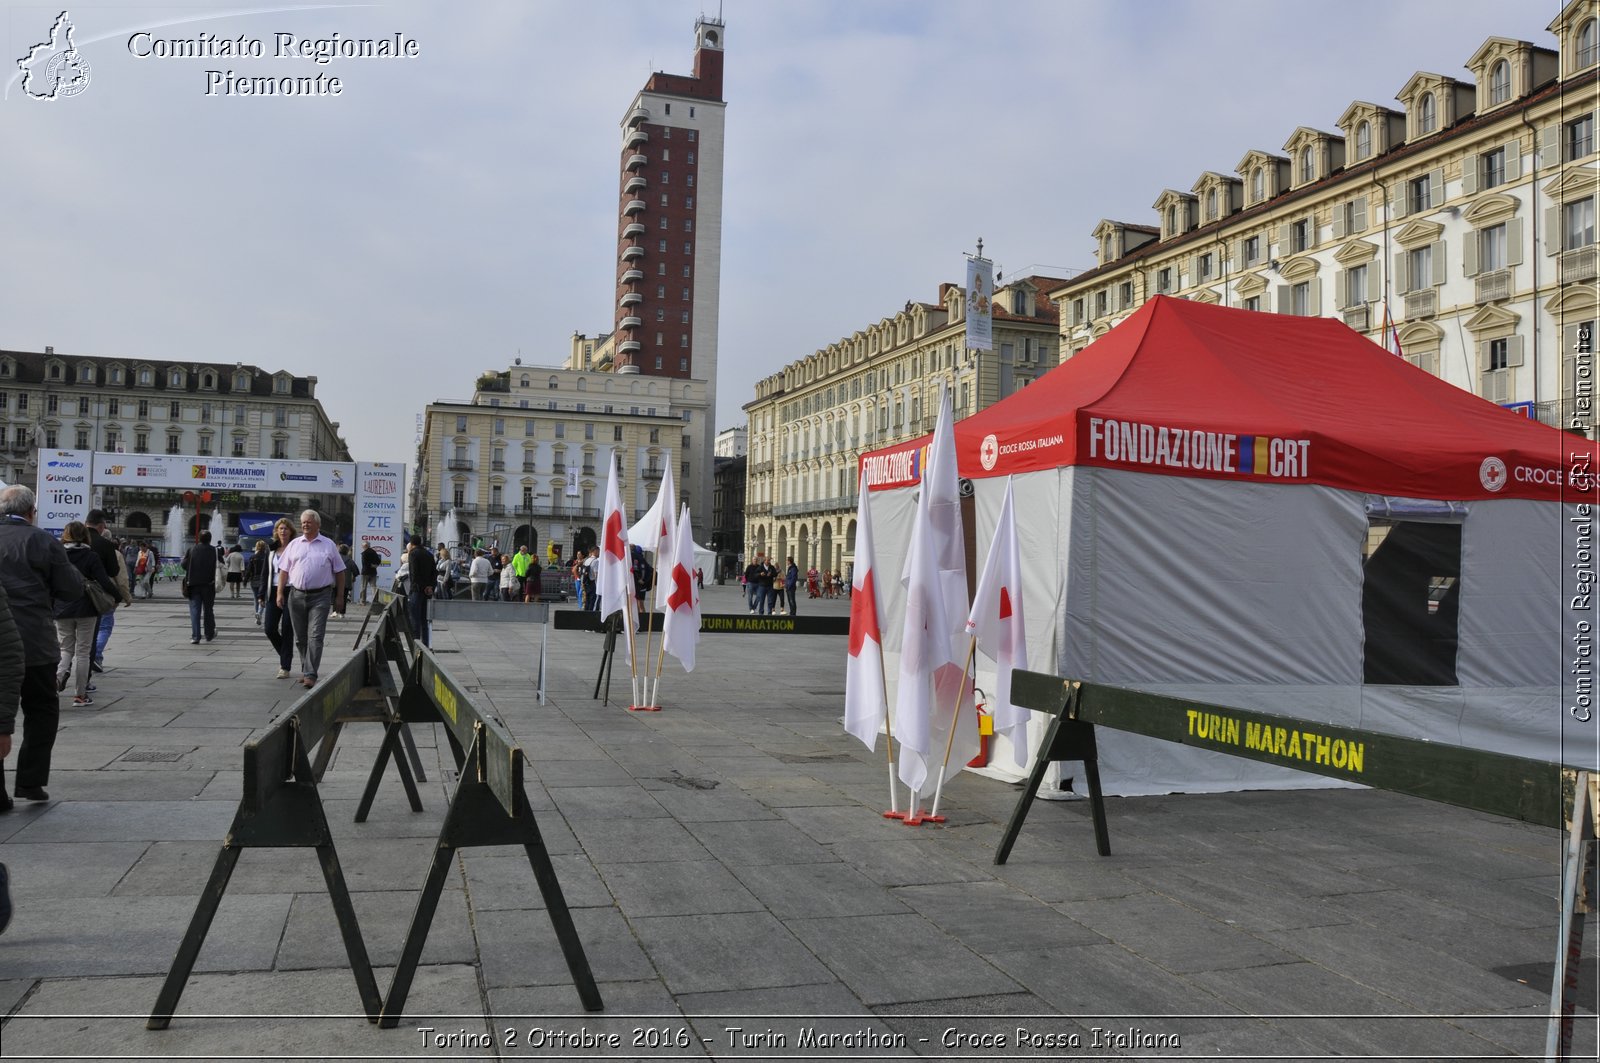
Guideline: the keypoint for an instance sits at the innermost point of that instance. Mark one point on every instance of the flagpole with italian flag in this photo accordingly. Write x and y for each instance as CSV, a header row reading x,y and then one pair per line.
x,y
999,629
615,578
680,628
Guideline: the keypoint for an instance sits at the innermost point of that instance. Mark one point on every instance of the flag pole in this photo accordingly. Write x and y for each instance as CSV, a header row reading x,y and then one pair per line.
x,y
650,634
630,609
888,730
955,717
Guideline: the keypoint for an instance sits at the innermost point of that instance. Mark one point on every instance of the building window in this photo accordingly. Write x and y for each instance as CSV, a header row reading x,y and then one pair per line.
x,y
685,317
1211,205
683,339
113,407
588,432
174,411
1419,268
616,433
144,409
82,439
1492,248
1577,224
52,404
1419,194
688,202
1499,354
1300,235
1428,113
1172,220
686,295
1124,295
1203,268
1258,185
1500,82
1363,139
1580,137
141,442
174,442
683,365
238,446
1252,250
86,374
1300,298
22,403
51,441
1164,280
1588,45
1308,167
280,449
1355,291
1492,168
205,413
1099,304
55,372
461,422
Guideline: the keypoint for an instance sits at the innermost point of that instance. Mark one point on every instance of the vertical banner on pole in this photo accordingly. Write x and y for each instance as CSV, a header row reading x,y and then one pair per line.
x,y
379,519
980,311
63,488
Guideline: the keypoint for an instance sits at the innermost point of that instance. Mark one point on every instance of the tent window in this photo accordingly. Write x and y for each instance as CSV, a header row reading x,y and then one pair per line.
x,y
1410,602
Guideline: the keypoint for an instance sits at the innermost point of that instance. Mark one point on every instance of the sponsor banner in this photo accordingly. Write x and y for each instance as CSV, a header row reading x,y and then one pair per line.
x,y
258,525
63,488
980,305
190,472
379,519
895,467
1114,443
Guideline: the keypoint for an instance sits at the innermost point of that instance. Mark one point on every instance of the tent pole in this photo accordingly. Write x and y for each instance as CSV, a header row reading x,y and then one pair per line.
x,y
888,730
955,718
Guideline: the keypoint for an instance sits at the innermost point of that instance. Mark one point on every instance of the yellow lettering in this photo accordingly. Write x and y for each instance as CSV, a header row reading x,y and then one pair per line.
x,y
1294,743
445,698
1252,735
1230,732
1193,715
1358,756
1279,737
1341,753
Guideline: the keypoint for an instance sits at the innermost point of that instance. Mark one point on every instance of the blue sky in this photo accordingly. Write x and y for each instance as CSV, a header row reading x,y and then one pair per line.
x,y
450,211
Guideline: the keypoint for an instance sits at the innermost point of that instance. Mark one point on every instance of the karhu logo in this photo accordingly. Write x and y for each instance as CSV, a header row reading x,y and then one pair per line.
x,y
54,69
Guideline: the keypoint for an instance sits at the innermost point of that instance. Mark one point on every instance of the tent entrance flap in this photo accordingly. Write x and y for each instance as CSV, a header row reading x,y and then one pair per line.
x,y
1411,603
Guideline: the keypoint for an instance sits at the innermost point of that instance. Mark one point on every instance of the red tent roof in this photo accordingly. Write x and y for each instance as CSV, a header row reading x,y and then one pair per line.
x,y
1186,389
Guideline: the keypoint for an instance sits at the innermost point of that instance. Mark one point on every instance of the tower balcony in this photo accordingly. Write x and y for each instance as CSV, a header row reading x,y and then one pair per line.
x,y
632,276
637,137
637,115
632,252
636,161
631,322
631,299
628,347
635,184
634,206
634,229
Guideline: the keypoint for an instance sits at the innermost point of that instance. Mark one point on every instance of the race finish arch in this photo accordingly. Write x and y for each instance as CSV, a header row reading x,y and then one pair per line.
x,y
67,479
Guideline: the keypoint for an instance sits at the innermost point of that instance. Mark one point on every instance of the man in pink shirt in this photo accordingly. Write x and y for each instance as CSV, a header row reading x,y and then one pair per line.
x,y
311,578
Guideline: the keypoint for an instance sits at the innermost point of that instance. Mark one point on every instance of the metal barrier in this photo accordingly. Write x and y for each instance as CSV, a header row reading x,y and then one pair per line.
x,y
281,808
1539,792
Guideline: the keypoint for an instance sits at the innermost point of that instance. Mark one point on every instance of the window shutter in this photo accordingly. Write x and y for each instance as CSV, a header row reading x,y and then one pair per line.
x,y
1513,159
1283,242
1340,283
1513,351
1550,145
1483,359
1401,286
1436,188
1438,263
1494,386
1314,297
1469,174
1360,212
1469,255
1552,230
1514,241
1374,283
1283,301
1311,230
1397,205
1338,222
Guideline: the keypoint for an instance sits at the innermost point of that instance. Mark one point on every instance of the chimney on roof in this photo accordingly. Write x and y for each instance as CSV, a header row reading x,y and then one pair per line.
x,y
49,350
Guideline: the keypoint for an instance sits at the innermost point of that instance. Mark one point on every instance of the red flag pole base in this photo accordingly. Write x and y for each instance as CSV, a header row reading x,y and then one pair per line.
x,y
644,708
912,820
935,819
894,815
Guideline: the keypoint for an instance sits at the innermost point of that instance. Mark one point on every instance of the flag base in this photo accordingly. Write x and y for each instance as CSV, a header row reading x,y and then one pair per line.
x,y
644,708
914,820
894,815
935,819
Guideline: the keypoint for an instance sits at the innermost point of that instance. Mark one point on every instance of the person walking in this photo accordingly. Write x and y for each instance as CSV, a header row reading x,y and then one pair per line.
x,y
591,576
77,621
200,567
510,585
422,576
144,570
310,579
234,563
274,617
791,580
255,574
37,575
519,565
341,601
752,583
478,574
109,551
13,662
370,561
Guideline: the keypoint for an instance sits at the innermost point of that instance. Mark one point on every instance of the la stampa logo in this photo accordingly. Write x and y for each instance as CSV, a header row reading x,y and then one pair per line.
x,y
54,69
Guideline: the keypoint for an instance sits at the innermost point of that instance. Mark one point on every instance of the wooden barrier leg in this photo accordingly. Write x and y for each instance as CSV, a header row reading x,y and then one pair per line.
x,y
1097,805
411,753
555,903
1029,790
387,748
325,749
417,935
345,912
189,947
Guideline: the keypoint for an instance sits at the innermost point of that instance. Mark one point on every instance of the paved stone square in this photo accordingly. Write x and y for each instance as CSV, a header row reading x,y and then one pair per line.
x,y
737,892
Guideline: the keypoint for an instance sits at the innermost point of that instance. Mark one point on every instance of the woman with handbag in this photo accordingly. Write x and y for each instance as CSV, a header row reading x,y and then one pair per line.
x,y
77,621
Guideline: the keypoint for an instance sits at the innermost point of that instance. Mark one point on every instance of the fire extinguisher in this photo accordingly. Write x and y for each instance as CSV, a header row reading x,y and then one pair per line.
x,y
985,732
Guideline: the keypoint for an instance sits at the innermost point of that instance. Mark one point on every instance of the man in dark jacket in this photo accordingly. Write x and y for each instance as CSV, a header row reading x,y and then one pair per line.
x,y
200,569
12,663
369,571
422,574
110,557
37,575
